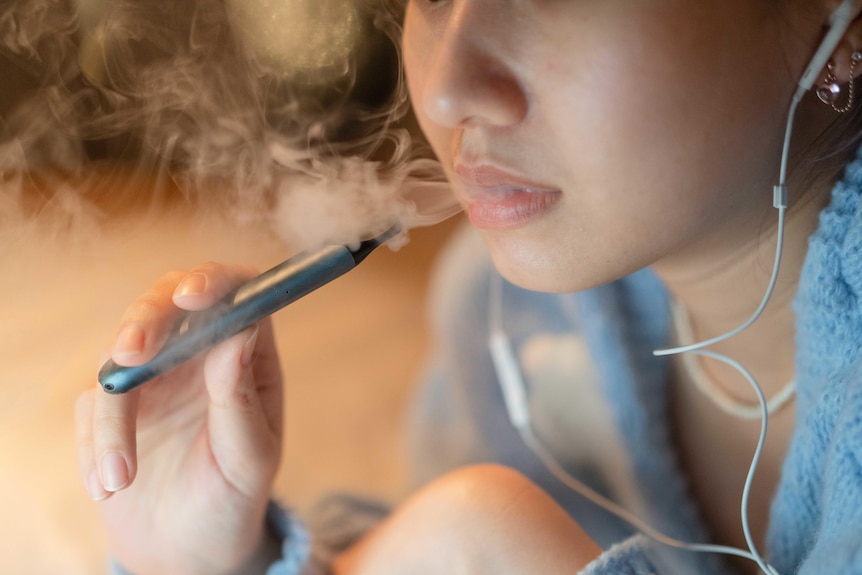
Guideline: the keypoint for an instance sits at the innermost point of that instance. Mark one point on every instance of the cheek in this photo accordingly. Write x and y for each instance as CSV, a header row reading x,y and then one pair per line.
x,y
671,135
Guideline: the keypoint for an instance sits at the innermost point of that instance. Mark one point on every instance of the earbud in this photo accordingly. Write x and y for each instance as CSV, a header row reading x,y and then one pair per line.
x,y
839,22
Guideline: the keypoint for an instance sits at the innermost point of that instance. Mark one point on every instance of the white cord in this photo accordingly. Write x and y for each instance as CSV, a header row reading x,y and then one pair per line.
x,y
780,201
712,391
514,390
514,395
569,481
512,383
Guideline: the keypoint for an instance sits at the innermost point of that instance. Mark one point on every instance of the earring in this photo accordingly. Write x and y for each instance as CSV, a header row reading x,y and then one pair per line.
x,y
830,90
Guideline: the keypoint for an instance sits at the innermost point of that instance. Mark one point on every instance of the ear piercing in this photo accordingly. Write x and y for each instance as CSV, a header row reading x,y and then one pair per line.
x,y
830,90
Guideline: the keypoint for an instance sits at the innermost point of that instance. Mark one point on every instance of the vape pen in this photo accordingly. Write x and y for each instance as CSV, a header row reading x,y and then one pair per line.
x,y
243,307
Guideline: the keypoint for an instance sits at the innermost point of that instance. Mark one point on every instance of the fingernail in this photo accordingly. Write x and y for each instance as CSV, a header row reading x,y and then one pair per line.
x,y
115,472
193,284
130,340
94,486
248,348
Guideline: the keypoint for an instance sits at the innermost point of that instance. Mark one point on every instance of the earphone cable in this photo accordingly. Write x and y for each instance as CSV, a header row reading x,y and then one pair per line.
x,y
557,470
780,201
514,392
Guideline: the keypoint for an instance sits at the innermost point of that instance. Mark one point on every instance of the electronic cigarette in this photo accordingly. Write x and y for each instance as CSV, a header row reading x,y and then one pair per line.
x,y
243,307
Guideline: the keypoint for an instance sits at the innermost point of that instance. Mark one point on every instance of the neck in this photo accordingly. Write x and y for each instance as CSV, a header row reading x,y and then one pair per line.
x,y
722,284
723,291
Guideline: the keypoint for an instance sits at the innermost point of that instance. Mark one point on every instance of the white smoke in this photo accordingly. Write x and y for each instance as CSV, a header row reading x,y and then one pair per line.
x,y
243,106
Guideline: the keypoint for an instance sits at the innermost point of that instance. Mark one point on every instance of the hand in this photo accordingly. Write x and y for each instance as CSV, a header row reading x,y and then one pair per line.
x,y
480,519
183,465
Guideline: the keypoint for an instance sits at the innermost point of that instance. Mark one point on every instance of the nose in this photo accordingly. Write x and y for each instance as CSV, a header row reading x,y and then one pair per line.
x,y
468,81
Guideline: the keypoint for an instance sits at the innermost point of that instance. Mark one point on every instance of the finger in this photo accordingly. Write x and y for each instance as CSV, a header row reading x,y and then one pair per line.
x,y
147,322
266,366
243,443
84,409
204,285
114,443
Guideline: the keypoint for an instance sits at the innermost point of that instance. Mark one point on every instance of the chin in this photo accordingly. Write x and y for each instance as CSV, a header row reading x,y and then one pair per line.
x,y
552,267
532,282
531,267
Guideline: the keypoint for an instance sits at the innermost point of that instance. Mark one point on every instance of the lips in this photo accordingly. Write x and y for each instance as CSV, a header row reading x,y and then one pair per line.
x,y
500,200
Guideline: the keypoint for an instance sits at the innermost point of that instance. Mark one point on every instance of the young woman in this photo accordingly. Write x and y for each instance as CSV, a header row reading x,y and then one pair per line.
x,y
618,159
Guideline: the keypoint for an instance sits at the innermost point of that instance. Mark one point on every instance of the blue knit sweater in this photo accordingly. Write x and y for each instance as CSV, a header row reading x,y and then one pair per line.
x,y
588,361
816,516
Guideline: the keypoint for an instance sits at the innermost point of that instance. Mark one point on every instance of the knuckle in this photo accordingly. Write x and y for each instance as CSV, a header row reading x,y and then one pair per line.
x,y
170,278
240,397
245,398
153,301
145,307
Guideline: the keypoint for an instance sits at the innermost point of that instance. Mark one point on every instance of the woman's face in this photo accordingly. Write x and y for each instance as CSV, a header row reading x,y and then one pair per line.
x,y
587,139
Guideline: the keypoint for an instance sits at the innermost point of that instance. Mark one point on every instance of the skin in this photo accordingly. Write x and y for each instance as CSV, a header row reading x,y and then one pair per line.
x,y
462,524
202,441
659,125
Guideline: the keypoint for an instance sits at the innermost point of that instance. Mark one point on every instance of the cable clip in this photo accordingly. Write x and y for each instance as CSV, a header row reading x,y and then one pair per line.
x,y
780,197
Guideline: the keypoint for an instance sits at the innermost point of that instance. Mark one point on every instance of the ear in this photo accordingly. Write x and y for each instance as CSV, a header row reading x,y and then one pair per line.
x,y
850,43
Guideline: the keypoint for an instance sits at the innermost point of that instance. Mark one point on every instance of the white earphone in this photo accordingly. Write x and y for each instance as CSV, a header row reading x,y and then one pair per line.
x,y
839,22
511,380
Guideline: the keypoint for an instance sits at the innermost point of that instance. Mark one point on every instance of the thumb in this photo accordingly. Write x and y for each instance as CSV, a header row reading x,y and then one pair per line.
x,y
243,444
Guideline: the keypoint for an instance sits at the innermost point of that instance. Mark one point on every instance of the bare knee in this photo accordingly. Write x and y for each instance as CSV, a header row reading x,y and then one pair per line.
x,y
494,505
482,518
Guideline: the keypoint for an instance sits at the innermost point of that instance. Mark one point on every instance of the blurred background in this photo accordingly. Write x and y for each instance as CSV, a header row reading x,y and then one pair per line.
x,y
86,225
